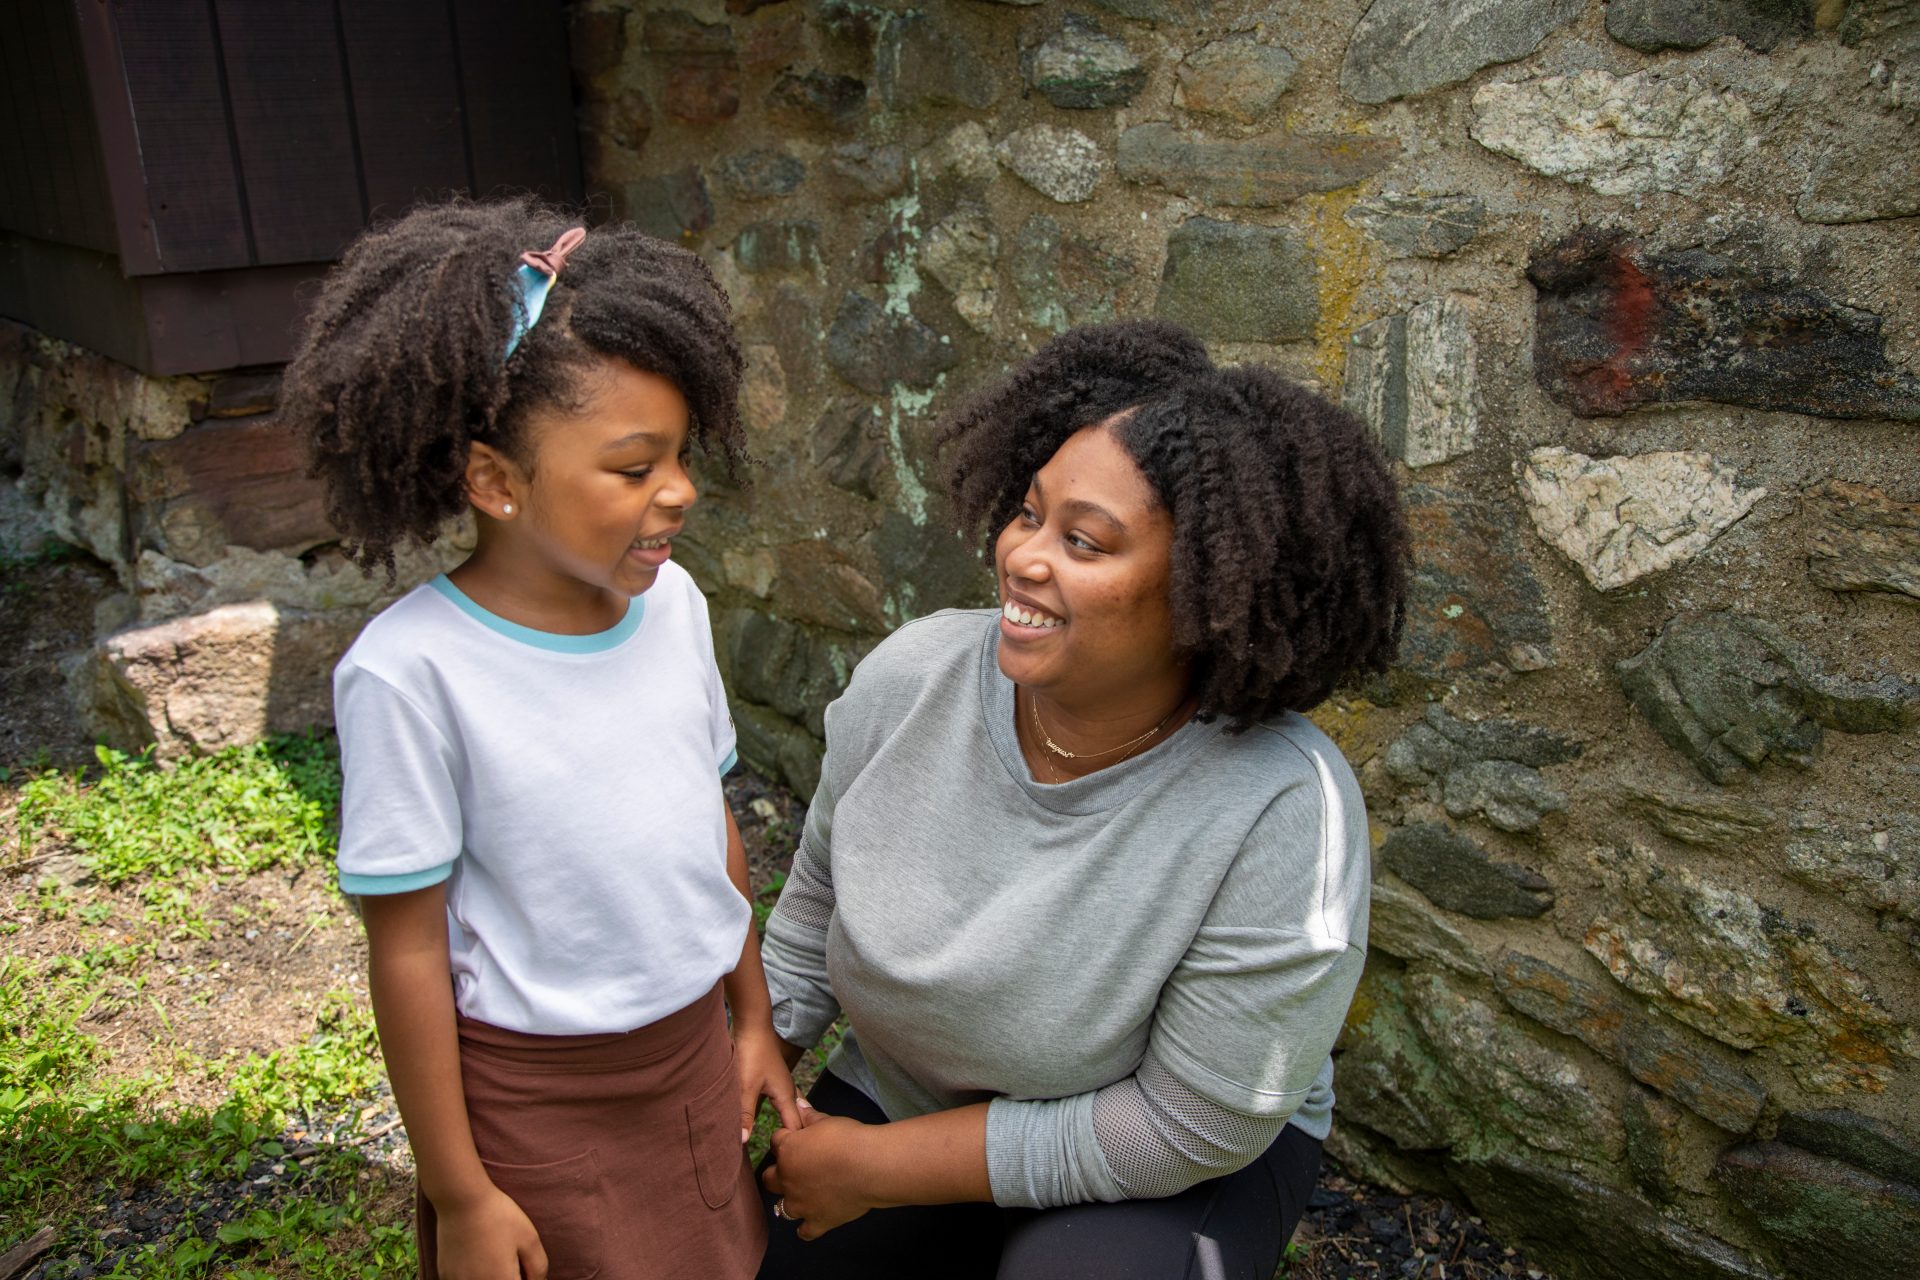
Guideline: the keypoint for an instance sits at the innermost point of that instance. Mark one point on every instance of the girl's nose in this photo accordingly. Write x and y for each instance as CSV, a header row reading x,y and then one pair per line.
x,y
679,491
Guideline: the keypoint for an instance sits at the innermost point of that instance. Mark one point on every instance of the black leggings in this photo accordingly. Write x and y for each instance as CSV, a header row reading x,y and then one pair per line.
x,y
1230,1228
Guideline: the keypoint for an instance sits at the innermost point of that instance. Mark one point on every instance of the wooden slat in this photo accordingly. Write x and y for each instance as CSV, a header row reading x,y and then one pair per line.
x,y
92,223
513,61
406,102
171,67
293,128
19,209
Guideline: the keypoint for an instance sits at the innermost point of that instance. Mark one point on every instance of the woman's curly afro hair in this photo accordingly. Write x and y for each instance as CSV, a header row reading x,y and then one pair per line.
x,y
403,362
1289,564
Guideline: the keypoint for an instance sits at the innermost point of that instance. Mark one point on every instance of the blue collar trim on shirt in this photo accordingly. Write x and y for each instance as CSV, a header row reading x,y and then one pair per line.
x,y
598,642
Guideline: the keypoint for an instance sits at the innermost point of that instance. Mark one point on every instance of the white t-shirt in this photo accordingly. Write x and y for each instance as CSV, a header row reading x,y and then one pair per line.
x,y
567,789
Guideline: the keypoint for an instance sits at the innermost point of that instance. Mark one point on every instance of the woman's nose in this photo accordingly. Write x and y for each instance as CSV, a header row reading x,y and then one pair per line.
x,y
1027,561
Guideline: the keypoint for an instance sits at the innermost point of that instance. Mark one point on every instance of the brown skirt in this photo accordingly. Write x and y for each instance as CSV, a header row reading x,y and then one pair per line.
x,y
623,1149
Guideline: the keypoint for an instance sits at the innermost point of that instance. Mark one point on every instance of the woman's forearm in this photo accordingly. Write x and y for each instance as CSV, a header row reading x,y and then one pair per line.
x,y
932,1159
412,992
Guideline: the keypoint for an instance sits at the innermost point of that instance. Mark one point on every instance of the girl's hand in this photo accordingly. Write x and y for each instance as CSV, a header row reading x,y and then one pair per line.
x,y
820,1170
488,1239
759,1059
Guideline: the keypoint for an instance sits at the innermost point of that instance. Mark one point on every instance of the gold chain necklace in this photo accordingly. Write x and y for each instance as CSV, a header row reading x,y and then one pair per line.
x,y
1033,705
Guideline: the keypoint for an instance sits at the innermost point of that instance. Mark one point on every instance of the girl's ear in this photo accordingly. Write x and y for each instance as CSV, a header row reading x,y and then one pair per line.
x,y
494,483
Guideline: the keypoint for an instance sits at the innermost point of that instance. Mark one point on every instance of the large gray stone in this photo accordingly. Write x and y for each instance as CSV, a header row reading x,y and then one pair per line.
x,y
1500,739
1236,283
918,61
927,567
1861,1141
1620,135
1827,1218
1653,25
1256,173
792,669
674,206
1238,77
1621,518
1472,599
1871,859
876,170
1864,169
960,251
1421,226
1457,874
1403,47
849,446
1063,165
1744,973
1076,65
819,98
1863,540
230,676
1620,327
1414,379
1656,1142
1709,819
1581,1228
777,747
1064,280
1653,1050
1403,923
1730,691
1469,765
1510,796
873,348
760,174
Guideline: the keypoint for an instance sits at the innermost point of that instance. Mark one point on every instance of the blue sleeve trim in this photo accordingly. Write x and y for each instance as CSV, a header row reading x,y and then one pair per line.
x,y
726,766
407,882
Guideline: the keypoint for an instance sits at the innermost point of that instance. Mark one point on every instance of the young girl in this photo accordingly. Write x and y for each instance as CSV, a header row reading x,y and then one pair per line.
x,y
553,888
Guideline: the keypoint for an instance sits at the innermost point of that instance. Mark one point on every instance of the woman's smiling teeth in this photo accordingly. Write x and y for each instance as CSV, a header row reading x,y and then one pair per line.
x,y
1029,617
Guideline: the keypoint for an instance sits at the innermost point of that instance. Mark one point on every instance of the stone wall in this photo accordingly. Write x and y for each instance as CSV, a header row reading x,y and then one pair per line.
x,y
235,601
1630,290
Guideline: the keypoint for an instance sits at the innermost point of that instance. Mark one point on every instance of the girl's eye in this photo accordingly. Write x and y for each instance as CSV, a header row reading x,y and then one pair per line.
x,y
1028,514
638,473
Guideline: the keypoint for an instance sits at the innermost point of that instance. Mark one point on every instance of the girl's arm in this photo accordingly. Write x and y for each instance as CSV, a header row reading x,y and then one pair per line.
x,y
760,1056
835,1169
482,1235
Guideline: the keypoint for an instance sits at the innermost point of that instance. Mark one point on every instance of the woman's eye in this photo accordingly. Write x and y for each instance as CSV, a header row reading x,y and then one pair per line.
x,y
1079,543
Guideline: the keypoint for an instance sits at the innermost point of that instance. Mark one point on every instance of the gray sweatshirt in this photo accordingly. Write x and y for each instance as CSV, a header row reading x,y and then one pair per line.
x,y
1143,970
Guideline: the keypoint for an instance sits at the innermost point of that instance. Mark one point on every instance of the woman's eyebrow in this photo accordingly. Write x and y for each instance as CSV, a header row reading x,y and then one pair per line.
x,y
1080,506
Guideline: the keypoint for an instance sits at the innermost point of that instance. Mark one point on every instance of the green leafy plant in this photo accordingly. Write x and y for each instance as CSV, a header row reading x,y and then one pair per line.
x,y
239,811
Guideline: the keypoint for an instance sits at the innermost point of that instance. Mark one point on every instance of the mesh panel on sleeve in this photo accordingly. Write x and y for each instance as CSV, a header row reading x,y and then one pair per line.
x,y
807,899
1160,1137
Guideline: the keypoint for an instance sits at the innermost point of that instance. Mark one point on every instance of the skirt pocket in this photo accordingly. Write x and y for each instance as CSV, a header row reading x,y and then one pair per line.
x,y
713,1130
562,1200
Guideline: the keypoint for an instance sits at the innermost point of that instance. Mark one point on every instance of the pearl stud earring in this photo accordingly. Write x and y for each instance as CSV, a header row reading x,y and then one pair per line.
x,y
506,509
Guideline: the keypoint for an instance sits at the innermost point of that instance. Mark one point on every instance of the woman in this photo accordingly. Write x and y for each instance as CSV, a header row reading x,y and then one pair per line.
x,y
1091,891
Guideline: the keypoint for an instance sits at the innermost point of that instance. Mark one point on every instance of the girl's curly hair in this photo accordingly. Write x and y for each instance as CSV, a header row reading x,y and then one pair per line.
x,y
403,363
1289,567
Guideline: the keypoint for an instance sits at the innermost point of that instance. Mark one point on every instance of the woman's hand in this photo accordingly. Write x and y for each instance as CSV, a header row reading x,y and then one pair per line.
x,y
489,1238
820,1171
760,1061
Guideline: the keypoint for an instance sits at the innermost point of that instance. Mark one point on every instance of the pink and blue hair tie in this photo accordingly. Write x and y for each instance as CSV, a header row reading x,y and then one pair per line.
x,y
534,280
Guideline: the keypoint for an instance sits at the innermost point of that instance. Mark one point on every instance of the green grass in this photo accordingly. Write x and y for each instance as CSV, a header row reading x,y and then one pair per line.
x,y
175,834
243,810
